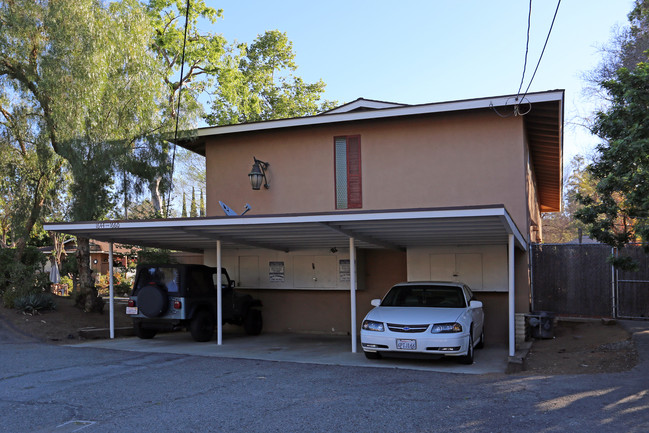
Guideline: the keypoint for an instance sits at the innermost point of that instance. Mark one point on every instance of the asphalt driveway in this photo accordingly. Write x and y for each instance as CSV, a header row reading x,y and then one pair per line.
x,y
300,348
47,388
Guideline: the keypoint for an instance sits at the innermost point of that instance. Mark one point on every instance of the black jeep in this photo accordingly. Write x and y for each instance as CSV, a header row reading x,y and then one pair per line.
x,y
175,296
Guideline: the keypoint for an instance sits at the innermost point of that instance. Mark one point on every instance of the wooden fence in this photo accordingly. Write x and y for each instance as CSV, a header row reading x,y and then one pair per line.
x,y
578,280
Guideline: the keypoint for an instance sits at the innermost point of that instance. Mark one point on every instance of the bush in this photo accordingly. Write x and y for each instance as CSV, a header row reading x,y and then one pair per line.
x,y
66,282
24,277
121,284
33,302
155,256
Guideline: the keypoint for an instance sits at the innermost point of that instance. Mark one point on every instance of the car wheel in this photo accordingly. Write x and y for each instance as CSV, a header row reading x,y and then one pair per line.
x,y
468,358
480,344
372,355
143,333
202,326
152,300
253,323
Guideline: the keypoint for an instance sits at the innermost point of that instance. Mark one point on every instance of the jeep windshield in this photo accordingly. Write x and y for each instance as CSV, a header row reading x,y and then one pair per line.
x,y
166,277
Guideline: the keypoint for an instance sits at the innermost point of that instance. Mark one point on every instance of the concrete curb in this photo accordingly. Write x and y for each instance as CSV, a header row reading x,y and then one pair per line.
x,y
516,363
97,333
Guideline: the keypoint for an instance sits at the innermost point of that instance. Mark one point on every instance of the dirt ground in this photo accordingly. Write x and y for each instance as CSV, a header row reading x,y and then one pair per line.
x,y
62,325
577,347
583,347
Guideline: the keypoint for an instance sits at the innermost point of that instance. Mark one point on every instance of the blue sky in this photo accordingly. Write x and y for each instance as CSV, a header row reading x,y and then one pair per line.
x,y
438,50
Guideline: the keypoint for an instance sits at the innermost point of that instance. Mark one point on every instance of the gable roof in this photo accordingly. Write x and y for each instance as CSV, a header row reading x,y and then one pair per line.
x,y
362,104
542,113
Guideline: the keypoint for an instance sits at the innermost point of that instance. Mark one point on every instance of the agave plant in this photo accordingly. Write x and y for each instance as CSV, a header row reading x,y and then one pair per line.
x,y
34,302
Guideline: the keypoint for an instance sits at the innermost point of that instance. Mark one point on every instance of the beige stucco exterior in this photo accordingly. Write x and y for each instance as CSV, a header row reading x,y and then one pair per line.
x,y
463,159
455,159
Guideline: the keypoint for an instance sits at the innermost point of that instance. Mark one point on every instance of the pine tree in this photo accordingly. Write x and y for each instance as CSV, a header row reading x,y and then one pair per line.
x,y
193,212
184,212
202,204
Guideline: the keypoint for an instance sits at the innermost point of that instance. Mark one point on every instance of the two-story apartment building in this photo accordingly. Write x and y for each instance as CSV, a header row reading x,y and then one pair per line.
x,y
370,194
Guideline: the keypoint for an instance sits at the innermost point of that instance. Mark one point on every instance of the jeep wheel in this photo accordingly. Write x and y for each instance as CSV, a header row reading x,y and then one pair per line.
x,y
143,333
202,326
152,300
253,323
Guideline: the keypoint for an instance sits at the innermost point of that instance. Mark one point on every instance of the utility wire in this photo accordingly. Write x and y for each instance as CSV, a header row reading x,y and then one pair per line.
x,y
519,99
180,88
542,51
527,47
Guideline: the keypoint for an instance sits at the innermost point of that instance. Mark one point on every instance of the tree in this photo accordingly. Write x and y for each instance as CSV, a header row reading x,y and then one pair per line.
x,y
560,227
627,48
184,211
193,211
257,84
29,170
87,72
617,211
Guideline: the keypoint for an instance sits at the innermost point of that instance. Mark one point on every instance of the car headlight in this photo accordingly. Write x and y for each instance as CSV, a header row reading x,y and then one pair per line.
x,y
443,328
370,325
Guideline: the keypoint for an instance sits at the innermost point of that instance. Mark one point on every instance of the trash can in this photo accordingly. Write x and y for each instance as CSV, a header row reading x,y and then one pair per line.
x,y
541,324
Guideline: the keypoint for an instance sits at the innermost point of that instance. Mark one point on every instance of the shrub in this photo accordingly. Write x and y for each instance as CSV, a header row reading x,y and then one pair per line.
x,y
32,302
155,256
24,277
122,284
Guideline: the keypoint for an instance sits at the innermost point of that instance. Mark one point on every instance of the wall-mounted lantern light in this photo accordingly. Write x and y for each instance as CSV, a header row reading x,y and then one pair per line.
x,y
258,174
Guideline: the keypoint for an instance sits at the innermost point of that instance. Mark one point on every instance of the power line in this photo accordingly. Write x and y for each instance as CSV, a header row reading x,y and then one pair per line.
x,y
544,45
180,88
527,47
519,99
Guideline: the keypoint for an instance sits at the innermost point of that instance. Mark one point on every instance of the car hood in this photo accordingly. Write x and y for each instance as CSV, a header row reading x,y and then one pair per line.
x,y
414,315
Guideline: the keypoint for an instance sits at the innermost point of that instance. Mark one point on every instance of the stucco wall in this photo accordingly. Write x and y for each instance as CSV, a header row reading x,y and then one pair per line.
x,y
446,160
467,159
323,311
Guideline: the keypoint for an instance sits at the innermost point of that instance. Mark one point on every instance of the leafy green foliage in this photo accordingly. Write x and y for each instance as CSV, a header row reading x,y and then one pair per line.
x,y
22,277
617,211
122,284
257,84
560,227
155,256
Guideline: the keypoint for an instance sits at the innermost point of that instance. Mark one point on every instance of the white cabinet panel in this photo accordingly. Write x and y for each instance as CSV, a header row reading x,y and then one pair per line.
x,y
469,270
463,267
249,271
442,267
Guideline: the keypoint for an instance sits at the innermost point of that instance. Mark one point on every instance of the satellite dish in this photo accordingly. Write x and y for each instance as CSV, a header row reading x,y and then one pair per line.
x,y
227,210
230,212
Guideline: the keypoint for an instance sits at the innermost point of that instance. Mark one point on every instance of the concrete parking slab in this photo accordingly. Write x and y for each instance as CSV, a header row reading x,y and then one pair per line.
x,y
300,348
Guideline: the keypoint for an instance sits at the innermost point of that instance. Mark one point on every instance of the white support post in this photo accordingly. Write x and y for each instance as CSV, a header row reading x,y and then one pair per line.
x,y
111,290
352,290
512,298
219,296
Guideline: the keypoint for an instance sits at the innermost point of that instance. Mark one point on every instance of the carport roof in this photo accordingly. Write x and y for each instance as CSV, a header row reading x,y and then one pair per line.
x,y
393,229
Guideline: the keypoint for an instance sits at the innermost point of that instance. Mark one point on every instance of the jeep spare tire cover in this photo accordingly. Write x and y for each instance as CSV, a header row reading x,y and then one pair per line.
x,y
152,300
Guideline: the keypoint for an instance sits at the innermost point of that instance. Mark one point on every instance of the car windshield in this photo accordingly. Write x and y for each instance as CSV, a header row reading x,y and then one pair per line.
x,y
425,296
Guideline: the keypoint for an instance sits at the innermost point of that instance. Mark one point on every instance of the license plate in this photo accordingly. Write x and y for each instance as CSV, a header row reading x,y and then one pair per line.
x,y
131,310
406,344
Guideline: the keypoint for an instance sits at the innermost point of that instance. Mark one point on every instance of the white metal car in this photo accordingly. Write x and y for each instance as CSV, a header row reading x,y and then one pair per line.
x,y
433,317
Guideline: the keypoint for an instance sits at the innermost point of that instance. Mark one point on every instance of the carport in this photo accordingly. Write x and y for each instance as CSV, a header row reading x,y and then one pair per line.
x,y
391,229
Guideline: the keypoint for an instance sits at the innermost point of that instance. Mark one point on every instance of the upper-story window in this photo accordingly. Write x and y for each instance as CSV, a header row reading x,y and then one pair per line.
x,y
349,191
